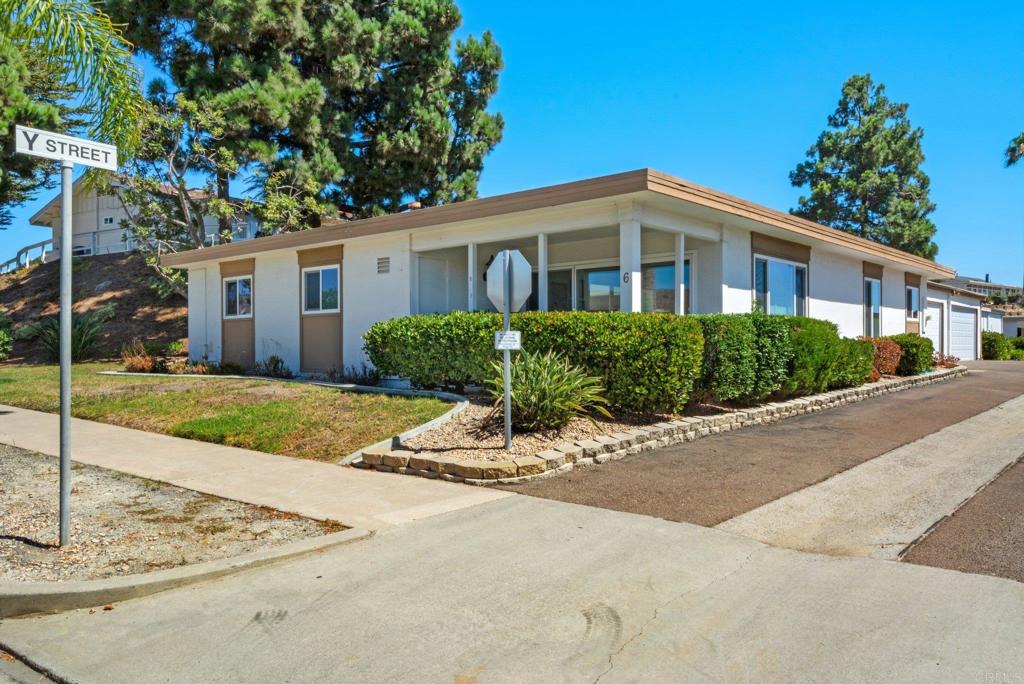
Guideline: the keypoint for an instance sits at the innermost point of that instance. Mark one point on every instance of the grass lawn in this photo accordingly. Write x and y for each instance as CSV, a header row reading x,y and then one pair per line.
x,y
279,418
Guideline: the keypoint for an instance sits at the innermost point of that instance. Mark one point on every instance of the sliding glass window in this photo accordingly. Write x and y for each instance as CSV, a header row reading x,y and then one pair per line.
x,y
780,287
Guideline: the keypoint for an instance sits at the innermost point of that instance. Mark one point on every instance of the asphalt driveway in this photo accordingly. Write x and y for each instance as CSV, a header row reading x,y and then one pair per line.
x,y
715,479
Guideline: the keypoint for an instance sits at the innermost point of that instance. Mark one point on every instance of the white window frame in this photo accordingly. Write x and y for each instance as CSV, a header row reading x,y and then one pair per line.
x,y
768,285
224,298
108,220
320,270
864,307
917,316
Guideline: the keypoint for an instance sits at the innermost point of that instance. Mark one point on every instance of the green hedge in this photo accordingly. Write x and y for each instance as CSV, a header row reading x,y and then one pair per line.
x,y
772,355
729,370
1016,342
815,346
995,347
854,364
647,362
917,353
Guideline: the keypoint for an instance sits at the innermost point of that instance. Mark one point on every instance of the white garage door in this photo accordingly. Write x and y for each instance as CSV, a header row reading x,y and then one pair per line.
x,y
963,332
933,325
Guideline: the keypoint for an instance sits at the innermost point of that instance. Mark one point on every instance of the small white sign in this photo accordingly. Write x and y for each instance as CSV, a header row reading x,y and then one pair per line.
x,y
511,340
37,143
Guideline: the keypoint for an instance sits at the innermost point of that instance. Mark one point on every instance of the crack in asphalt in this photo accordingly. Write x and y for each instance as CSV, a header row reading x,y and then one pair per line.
x,y
666,604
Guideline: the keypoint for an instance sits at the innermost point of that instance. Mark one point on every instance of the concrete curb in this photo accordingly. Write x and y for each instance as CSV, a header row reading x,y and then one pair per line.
x,y
563,457
383,445
26,598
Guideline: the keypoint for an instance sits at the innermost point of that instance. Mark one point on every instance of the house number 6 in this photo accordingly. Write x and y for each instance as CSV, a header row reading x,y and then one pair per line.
x,y
625,277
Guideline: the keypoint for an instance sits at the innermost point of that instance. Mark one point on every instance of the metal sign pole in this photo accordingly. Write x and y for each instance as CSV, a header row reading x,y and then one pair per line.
x,y
507,320
66,248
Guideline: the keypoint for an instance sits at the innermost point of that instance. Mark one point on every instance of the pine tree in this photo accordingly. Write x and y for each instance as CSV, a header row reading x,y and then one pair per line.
x,y
864,172
1015,151
369,102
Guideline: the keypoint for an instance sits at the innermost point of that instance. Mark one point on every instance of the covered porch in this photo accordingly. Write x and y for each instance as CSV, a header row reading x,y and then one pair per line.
x,y
630,266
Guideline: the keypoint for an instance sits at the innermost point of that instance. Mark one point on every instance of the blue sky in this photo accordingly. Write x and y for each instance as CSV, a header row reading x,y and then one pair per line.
x,y
732,95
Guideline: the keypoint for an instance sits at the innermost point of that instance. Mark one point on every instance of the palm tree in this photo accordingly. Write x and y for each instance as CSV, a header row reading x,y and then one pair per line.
x,y
1015,152
90,51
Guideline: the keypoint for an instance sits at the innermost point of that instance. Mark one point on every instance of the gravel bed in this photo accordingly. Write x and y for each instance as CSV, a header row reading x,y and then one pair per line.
x,y
122,524
476,434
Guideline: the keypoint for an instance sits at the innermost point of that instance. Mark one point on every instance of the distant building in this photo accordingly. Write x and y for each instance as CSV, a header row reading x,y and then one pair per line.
x,y
983,286
96,229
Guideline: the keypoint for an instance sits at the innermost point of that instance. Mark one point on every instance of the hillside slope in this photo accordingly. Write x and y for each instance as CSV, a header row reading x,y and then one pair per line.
x,y
120,279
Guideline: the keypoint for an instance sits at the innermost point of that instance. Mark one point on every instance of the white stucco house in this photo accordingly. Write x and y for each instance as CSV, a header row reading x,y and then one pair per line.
x,y
635,241
1013,326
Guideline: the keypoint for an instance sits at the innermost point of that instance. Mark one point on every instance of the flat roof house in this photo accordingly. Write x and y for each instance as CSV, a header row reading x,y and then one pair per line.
x,y
635,241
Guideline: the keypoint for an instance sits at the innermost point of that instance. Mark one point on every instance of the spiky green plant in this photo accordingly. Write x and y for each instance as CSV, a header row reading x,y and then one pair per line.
x,y
547,391
85,332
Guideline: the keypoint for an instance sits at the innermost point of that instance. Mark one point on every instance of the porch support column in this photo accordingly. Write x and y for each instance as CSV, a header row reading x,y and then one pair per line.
x,y
542,272
680,284
471,277
629,261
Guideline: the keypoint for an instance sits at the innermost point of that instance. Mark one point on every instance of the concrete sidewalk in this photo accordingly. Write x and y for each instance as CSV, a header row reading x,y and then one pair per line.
x,y
323,491
881,506
529,590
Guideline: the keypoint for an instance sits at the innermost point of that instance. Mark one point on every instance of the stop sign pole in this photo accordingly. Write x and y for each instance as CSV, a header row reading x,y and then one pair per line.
x,y
68,151
508,288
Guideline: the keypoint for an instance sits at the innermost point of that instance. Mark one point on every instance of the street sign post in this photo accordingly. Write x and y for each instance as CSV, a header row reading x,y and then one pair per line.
x,y
68,151
509,283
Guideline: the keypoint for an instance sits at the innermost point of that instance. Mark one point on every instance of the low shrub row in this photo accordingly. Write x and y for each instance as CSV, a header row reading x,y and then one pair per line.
x,y
6,336
649,362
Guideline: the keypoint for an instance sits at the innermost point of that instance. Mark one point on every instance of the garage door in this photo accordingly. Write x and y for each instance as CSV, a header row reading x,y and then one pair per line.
x,y
933,325
963,332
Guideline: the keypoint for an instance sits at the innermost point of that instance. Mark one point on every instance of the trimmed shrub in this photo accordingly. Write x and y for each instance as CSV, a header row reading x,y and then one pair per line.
x,y
887,355
815,346
773,353
729,369
1016,355
546,391
917,353
435,350
854,365
1016,342
85,332
6,344
646,362
995,347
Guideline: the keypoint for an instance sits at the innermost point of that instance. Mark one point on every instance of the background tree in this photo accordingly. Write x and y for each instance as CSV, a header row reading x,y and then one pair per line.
x,y
364,104
53,52
1015,151
864,172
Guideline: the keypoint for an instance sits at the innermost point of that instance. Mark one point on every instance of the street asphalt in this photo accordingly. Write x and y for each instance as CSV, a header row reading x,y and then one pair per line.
x,y
529,590
715,479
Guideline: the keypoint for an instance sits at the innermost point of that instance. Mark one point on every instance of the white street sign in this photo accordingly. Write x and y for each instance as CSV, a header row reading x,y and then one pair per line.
x,y
522,280
37,143
511,340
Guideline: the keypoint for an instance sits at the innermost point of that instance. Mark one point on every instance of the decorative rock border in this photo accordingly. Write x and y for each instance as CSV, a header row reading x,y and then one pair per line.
x,y
563,457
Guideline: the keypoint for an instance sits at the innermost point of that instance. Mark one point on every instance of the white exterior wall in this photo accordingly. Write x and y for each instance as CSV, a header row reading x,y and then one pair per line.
x,y
1013,327
992,322
198,334
837,291
275,305
894,302
736,272
368,296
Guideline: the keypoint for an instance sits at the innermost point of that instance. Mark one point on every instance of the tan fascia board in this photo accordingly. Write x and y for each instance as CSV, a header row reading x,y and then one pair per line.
x,y
603,187
335,230
699,194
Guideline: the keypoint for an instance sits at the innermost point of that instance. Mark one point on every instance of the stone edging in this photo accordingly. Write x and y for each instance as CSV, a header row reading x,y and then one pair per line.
x,y
389,443
562,458
26,598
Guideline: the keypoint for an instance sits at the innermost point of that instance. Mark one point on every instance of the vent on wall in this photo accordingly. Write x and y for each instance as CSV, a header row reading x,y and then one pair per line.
x,y
383,264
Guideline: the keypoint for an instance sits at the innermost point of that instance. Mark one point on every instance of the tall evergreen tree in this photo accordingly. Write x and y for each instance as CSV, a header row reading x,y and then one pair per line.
x,y
864,172
367,99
